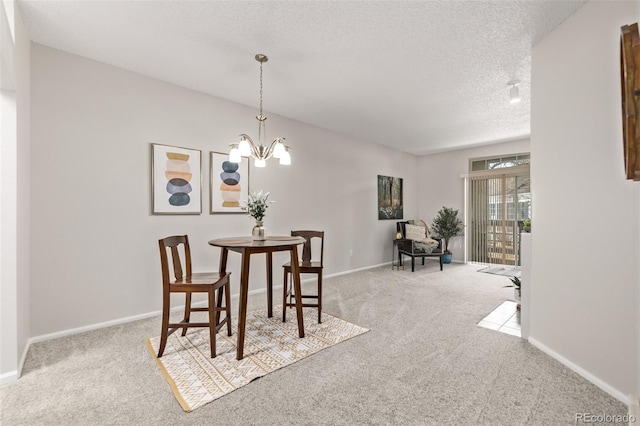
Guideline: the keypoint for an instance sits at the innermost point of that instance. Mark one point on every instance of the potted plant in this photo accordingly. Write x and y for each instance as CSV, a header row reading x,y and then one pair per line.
x,y
526,224
447,225
516,284
256,207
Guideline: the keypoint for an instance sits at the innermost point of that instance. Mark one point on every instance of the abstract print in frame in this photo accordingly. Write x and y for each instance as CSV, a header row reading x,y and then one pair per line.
x,y
389,198
229,184
176,186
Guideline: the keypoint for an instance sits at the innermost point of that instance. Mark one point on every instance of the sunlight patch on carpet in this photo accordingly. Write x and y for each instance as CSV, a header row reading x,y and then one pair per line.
x,y
508,271
196,379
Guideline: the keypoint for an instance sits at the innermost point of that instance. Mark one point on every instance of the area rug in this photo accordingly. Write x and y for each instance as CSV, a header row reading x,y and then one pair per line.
x,y
508,271
196,379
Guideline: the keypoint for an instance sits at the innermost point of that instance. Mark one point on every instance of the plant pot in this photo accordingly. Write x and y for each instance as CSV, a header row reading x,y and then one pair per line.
x,y
446,258
516,295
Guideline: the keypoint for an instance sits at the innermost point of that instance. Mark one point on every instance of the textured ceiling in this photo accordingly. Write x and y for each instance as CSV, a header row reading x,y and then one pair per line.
x,y
419,76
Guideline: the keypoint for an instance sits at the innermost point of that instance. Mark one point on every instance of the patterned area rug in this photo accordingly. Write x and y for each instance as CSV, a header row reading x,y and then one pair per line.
x,y
196,379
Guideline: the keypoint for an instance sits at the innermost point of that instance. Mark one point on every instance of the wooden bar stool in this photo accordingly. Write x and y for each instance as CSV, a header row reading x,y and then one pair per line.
x,y
202,282
307,266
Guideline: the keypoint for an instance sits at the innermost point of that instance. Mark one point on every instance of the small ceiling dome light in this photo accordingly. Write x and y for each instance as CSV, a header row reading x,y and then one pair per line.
x,y
514,92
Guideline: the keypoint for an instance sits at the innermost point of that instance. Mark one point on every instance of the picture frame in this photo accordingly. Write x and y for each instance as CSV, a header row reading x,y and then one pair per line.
x,y
229,184
389,198
630,79
176,180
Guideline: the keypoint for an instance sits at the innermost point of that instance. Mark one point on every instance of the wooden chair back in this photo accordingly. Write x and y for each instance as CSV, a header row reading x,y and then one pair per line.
x,y
173,243
306,248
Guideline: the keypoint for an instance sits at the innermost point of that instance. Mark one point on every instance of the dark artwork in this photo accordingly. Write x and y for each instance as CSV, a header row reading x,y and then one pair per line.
x,y
389,197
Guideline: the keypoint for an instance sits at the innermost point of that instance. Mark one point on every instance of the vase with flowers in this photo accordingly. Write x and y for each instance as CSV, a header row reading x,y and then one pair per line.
x,y
256,207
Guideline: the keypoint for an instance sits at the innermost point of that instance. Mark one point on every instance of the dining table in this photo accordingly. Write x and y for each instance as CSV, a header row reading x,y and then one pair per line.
x,y
247,246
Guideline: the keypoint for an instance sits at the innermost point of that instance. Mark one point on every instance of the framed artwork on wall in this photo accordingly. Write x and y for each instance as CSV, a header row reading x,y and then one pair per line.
x,y
389,198
229,184
630,79
176,183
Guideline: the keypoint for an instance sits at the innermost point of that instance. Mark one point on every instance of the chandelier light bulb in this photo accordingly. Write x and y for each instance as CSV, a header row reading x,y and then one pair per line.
x,y
260,162
244,148
279,150
285,159
234,155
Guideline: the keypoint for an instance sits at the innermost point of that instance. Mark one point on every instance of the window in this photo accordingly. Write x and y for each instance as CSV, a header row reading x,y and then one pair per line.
x,y
491,163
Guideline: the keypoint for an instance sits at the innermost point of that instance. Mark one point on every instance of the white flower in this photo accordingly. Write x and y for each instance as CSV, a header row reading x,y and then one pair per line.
x,y
257,204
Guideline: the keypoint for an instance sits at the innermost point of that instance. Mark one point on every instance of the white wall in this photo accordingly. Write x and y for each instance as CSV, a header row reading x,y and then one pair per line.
x,y
14,213
23,65
94,241
440,183
585,251
637,355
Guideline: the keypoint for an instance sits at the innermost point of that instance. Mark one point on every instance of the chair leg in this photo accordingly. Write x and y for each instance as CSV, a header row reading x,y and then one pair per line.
x,y
187,311
413,263
320,298
165,324
285,287
290,291
227,301
213,321
219,303
223,291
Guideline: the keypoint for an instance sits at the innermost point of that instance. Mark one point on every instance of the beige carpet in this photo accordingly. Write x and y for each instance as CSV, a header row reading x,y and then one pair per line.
x,y
196,379
425,362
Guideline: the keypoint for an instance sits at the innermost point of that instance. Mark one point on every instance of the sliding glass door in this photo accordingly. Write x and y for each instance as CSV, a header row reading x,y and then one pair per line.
x,y
499,201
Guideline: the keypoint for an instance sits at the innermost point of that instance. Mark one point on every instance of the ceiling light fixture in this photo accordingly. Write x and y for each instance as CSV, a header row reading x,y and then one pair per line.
x,y
261,153
514,92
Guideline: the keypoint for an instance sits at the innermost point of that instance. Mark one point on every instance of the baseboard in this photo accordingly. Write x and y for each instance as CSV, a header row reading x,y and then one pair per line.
x,y
12,376
634,407
617,394
351,271
9,377
95,326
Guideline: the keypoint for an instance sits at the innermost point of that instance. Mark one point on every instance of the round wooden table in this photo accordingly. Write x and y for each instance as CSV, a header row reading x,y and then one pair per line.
x,y
246,246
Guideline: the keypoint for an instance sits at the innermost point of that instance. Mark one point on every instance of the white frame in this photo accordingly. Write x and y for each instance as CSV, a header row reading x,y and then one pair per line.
x,y
216,159
190,169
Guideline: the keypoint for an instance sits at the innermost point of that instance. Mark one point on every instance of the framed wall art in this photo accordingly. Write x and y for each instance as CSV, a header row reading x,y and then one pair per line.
x,y
389,197
176,182
229,184
630,79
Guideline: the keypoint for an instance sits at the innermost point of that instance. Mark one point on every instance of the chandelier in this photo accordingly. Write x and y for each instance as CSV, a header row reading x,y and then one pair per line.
x,y
247,148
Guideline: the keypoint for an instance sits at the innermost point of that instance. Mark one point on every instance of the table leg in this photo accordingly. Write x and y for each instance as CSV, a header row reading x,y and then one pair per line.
x,y
222,268
295,276
269,284
242,310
